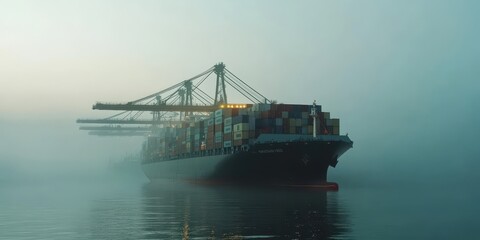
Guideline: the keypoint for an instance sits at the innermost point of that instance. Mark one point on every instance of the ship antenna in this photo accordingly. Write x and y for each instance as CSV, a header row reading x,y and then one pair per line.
x,y
313,113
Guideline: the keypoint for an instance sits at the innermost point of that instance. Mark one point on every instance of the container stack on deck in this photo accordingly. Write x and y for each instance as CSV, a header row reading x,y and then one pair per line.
x,y
229,129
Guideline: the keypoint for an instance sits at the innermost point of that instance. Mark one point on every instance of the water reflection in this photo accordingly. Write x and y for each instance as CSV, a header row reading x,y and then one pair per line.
x,y
185,211
170,211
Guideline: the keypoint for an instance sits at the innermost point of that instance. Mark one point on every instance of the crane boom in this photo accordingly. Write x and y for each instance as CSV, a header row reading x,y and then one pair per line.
x,y
116,133
118,128
129,121
154,108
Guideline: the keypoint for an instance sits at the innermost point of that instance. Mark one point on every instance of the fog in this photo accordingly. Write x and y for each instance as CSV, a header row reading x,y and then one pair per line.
x,y
46,150
402,77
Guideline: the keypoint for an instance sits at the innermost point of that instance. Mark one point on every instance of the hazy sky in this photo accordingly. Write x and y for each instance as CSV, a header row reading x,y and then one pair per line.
x,y
401,75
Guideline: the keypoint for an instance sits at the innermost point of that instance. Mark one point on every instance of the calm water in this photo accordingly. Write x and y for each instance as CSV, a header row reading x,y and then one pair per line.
x,y
135,209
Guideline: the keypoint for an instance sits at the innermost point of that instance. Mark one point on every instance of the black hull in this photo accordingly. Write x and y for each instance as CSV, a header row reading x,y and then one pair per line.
x,y
297,162
288,162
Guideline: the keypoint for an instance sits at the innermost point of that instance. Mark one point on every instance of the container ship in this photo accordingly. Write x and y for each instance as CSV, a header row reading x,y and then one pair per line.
x,y
262,142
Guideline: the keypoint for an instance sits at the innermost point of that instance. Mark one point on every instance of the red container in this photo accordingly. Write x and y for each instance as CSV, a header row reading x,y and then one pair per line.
x,y
240,142
227,136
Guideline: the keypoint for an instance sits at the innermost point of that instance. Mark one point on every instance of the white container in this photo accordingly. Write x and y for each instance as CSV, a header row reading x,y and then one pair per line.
x,y
227,144
240,127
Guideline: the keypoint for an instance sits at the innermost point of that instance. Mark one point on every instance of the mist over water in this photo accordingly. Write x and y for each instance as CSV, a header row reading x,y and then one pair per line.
x,y
48,150
58,184
133,209
402,77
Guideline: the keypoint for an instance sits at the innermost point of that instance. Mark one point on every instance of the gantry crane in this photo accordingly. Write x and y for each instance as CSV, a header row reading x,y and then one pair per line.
x,y
175,104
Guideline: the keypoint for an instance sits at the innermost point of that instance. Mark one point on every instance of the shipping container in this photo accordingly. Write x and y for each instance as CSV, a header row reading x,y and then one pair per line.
x,y
218,128
240,142
210,145
298,122
240,119
240,127
329,122
227,112
292,122
217,145
218,137
227,144
241,135
227,121
336,130
227,136
211,122
326,115
227,129
236,127
218,113
292,130
335,122
330,130
218,120
278,122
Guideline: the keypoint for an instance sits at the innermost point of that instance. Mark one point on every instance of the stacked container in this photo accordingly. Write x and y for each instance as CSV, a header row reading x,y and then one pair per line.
x,y
229,128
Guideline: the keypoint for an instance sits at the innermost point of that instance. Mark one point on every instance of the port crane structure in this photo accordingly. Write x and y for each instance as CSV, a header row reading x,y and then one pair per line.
x,y
173,105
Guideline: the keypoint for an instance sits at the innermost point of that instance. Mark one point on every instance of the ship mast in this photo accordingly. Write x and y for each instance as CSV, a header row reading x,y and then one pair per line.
x,y
313,113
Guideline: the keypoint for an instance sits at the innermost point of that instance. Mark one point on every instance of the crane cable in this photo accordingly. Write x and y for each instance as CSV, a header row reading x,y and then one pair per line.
x,y
172,87
244,92
247,85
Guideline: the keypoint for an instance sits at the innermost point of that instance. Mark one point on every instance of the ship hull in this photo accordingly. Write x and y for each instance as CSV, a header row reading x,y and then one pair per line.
x,y
291,162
